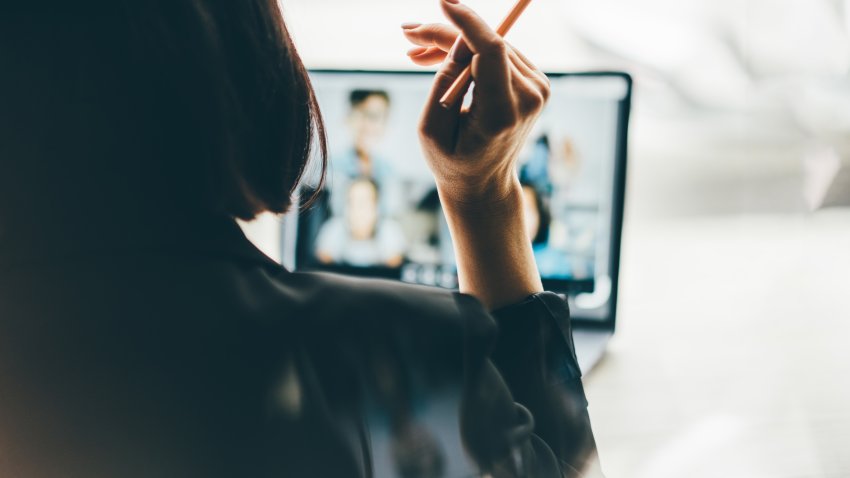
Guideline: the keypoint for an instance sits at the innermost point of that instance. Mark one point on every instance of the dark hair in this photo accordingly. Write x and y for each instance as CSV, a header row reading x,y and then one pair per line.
x,y
542,236
358,97
192,103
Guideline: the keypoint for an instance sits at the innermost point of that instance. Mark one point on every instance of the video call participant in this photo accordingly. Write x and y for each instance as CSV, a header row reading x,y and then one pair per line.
x,y
360,236
564,244
367,123
551,263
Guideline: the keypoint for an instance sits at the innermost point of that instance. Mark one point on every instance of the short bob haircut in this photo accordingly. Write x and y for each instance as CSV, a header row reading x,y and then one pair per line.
x,y
189,103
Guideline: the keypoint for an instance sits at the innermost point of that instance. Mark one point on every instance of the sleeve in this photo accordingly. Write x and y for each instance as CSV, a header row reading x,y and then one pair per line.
x,y
525,411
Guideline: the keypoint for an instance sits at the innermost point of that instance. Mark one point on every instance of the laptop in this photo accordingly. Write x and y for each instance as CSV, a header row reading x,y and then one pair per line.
x,y
379,214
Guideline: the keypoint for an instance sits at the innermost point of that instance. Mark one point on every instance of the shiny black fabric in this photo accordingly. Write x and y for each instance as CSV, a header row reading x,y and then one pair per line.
x,y
173,348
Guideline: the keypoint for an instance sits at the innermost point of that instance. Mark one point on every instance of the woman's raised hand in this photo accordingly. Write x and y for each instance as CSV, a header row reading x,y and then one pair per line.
x,y
473,150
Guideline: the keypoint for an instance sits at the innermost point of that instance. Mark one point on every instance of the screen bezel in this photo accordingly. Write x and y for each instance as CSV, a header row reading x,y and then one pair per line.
x,y
618,201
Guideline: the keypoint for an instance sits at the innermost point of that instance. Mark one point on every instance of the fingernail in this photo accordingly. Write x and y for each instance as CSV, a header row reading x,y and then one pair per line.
x,y
453,2
410,26
416,51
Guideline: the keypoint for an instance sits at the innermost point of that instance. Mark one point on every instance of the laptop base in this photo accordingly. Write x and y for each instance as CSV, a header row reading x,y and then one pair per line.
x,y
590,347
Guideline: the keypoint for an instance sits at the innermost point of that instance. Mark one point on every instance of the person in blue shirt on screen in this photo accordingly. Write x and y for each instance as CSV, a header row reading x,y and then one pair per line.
x,y
359,236
551,263
367,124
535,171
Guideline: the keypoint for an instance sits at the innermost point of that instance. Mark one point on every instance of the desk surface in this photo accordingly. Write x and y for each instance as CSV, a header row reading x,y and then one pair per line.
x,y
732,356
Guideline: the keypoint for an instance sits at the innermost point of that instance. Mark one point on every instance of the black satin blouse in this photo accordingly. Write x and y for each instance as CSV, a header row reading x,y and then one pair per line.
x,y
174,348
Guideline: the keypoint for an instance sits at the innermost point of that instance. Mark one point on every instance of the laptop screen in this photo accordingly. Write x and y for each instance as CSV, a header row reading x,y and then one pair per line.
x,y
379,214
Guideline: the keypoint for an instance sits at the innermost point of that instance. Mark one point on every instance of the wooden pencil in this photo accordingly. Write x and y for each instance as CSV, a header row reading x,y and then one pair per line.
x,y
454,92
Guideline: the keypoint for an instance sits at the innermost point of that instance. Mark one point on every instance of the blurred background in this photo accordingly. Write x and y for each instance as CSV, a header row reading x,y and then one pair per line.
x,y
732,353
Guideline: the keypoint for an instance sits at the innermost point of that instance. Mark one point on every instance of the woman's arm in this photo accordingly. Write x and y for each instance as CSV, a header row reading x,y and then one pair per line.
x,y
536,357
494,256
473,152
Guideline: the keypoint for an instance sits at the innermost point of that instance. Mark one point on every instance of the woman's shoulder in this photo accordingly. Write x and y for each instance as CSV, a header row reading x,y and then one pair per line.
x,y
344,300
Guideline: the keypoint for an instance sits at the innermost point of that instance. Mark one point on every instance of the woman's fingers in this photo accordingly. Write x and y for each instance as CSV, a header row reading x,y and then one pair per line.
x,y
490,63
427,56
508,85
436,36
530,75
439,124
521,67
478,35
529,97
432,35
436,39
531,70
528,62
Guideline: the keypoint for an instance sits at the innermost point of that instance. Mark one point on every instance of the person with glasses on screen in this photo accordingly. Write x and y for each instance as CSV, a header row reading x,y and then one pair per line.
x,y
367,124
141,333
367,121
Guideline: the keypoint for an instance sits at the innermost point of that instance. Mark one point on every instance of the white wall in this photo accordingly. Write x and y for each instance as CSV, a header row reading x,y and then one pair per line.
x,y
730,94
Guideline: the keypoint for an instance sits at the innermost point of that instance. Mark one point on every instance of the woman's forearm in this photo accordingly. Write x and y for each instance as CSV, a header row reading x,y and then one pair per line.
x,y
494,256
473,151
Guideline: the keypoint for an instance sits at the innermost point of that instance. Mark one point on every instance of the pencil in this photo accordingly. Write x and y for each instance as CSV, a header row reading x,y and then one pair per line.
x,y
459,86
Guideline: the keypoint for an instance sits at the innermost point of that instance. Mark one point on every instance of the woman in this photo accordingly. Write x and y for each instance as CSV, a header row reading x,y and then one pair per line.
x,y
142,335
